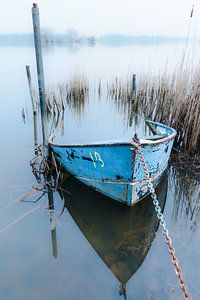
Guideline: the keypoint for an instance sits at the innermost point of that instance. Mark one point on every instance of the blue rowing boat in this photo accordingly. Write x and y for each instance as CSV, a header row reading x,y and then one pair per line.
x,y
113,168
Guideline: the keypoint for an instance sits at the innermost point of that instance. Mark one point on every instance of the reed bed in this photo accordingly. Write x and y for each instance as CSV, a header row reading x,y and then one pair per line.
x,y
172,99
175,101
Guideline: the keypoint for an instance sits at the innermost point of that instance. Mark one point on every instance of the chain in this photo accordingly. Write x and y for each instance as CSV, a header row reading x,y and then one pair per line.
x,y
165,231
133,163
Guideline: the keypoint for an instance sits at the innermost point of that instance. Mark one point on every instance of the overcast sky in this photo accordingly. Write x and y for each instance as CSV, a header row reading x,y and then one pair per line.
x,y
150,17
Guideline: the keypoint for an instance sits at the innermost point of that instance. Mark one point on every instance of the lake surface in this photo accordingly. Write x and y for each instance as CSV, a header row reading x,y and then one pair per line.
x,y
99,244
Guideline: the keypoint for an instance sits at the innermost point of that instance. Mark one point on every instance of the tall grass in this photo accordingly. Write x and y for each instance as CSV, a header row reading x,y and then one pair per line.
x,y
174,100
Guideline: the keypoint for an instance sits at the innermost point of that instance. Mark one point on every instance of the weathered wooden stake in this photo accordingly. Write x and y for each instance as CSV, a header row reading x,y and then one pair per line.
x,y
133,87
34,109
40,72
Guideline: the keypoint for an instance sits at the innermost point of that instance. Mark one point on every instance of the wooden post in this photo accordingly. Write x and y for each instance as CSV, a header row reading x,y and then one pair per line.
x,y
134,87
34,108
40,73
133,98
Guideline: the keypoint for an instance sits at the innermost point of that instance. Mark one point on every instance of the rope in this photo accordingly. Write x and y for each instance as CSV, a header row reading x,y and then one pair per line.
x,y
165,231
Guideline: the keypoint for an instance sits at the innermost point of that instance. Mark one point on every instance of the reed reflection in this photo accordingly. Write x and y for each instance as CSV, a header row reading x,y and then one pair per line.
x,y
186,195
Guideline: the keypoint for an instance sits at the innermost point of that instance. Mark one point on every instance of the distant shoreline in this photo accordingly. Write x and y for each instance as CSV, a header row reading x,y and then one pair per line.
x,y
109,39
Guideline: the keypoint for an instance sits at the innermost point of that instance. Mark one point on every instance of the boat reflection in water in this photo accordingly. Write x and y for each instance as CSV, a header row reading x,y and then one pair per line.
x,y
120,235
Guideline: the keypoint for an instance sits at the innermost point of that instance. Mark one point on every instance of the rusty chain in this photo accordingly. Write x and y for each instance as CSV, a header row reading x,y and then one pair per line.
x,y
165,231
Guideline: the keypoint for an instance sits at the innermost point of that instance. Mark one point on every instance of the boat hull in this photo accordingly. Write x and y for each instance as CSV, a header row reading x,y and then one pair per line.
x,y
113,168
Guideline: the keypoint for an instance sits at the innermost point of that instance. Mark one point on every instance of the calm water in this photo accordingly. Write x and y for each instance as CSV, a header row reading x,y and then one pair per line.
x,y
99,245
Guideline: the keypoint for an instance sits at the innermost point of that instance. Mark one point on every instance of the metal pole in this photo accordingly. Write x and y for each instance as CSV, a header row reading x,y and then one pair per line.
x,y
40,73
134,87
34,108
